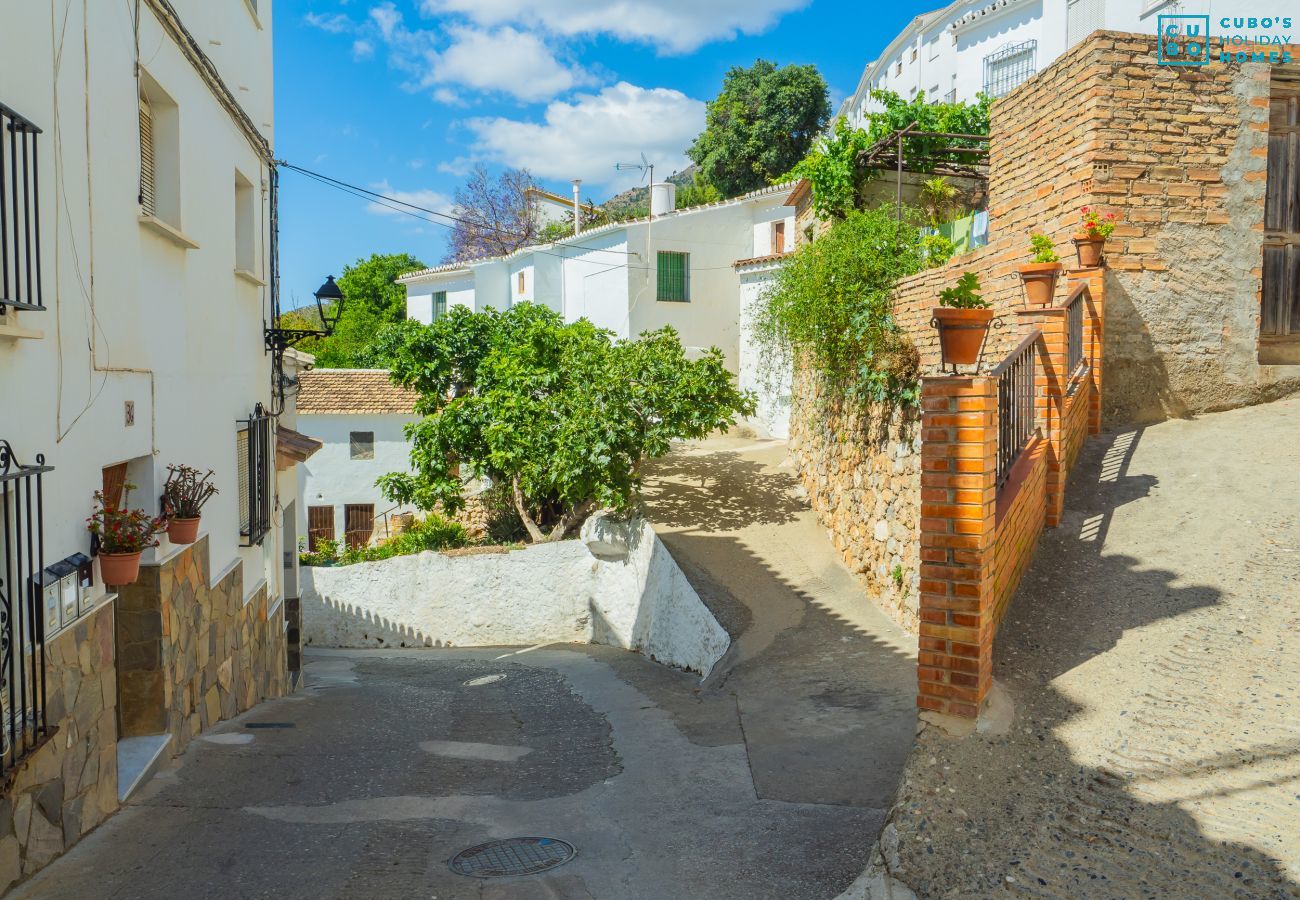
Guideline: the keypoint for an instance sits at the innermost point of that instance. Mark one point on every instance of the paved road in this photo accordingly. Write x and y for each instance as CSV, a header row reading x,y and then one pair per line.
x,y
770,781
1151,655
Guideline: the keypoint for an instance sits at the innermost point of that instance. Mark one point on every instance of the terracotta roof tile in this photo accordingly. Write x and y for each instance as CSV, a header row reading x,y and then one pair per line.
x,y
352,392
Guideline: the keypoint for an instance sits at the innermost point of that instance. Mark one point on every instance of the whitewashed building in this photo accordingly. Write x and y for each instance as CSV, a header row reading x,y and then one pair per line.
x,y
359,416
675,267
977,46
135,271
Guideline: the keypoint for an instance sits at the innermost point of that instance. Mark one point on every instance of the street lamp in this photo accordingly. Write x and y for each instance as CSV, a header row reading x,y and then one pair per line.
x,y
329,306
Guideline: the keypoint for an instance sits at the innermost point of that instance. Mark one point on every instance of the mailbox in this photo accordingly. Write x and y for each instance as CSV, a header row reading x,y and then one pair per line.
x,y
68,578
85,581
47,583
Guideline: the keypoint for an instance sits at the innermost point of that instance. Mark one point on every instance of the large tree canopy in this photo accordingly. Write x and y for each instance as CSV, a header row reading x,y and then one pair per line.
x,y
372,300
760,125
562,415
495,215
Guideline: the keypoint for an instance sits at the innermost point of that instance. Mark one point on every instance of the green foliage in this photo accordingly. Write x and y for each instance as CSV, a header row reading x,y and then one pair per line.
x,y
431,533
1043,249
897,575
760,124
371,301
697,193
964,294
832,166
937,250
939,200
560,414
830,306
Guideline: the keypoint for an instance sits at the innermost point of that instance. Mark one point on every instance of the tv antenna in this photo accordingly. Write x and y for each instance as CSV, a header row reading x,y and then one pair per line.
x,y
644,167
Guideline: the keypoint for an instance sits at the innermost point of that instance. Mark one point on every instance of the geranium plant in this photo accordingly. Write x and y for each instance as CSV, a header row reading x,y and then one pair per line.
x,y
1098,225
186,491
123,530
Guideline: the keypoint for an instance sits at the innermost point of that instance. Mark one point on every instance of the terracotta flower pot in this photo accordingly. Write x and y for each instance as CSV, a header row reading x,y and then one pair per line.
x,y
961,333
183,531
1040,282
1089,249
119,568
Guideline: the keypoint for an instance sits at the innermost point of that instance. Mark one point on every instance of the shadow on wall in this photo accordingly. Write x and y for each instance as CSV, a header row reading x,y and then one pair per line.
x,y
1136,388
384,631
1116,821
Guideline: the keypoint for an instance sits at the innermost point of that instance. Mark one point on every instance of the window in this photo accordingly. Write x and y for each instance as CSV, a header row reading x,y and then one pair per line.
x,y
778,236
934,48
20,245
362,444
674,277
898,67
1082,18
521,284
360,521
912,57
159,153
245,226
320,526
254,465
439,304
1008,67
951,96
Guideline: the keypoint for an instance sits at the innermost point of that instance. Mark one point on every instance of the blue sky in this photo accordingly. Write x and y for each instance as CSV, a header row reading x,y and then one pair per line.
x,y
401,96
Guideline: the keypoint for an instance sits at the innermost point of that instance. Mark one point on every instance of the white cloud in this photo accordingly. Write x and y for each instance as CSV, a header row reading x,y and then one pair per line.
x,y
673,26
586,137
426,199
362,49
447,96
337,23
505,60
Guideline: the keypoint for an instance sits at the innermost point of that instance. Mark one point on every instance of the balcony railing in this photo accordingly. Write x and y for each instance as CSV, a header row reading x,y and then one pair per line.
x,y
256,465
1016,414
22,636
20,213
1075,360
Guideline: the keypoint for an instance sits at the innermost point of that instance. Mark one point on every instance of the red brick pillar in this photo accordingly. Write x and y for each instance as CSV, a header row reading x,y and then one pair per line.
x,y
1094,318
1050,383
959,416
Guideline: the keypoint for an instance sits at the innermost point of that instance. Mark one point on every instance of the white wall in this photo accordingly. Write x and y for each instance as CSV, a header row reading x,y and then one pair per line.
x,y
773,389
595,280
332,478
132,316
419,295
522,265
628,593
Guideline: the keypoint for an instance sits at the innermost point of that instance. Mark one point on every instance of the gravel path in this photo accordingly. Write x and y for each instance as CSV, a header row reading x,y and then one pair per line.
x,y
1152,657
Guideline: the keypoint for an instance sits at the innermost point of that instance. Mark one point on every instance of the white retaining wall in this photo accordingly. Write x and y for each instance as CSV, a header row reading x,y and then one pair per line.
x,y
618,585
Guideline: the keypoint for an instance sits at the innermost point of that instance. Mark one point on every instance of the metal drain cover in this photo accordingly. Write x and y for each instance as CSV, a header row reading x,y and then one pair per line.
x,y
513,856
483,679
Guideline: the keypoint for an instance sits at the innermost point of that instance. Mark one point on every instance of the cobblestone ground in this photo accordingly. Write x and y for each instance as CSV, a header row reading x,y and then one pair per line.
x,y
1152,657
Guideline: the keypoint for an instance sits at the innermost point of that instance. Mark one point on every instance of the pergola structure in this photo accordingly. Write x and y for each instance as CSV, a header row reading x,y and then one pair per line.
x,y
943,153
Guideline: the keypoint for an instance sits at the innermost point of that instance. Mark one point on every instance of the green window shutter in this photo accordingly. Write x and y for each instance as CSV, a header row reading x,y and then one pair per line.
x,y
439,305
674,277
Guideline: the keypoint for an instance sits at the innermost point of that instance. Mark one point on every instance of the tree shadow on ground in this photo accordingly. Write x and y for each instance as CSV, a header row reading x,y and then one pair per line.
x,y
718,491
1113,780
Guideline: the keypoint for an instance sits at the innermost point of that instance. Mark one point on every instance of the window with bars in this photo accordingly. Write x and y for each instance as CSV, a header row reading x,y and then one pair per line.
x,y
439,304
255,466
674,284
1008,67
20,214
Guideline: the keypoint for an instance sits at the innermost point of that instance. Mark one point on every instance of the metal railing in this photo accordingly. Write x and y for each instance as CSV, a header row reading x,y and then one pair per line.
x,y
20,213
22,634
1075,360
1016,414
255,467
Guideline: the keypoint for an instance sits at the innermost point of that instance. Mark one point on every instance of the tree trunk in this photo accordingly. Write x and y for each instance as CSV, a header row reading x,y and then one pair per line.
x,y
574,516
535,535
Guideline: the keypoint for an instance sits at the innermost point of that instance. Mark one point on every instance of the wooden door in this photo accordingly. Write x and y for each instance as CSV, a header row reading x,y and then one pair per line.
x,y
320,525
1280,306
114,484
360,520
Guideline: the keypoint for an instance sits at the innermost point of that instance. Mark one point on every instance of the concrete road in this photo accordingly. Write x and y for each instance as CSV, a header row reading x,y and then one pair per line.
x,y
769,781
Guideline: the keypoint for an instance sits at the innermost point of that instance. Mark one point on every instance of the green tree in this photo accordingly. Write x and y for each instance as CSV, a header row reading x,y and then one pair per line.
x,y
763,122
371,300
562,415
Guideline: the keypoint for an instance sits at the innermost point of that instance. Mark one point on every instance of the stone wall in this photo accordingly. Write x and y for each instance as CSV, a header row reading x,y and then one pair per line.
x,y
193,655
67,786
862,471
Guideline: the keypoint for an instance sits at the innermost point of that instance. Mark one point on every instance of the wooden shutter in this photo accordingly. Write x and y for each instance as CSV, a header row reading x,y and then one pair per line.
x,y
778,237
320,525
1280,310
439,305
148,195
114,482
674,277
360,519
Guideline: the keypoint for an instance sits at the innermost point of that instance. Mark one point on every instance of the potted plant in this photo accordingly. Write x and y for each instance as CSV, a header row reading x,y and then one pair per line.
x,y
963,318
183,497
1089,242
1040,274
123,535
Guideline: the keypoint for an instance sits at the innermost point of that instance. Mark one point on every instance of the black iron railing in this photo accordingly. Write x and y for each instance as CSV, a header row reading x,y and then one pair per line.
x,y
22,633
1074,357
1017,419
256,465
20,213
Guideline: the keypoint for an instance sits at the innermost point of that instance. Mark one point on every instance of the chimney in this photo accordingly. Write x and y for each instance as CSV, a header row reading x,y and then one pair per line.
x,y
663,198
577,206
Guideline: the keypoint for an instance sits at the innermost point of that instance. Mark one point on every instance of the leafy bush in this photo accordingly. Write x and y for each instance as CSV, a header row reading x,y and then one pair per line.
x,y
431,533
830,306
1043,249
937,250
964,294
